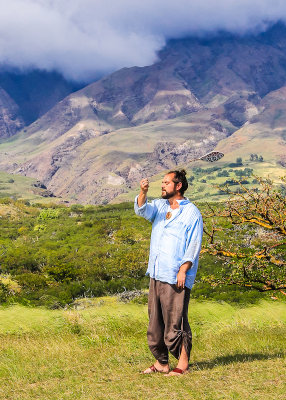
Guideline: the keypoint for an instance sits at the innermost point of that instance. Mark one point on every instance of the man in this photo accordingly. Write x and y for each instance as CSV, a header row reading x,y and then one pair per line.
x,y
174,252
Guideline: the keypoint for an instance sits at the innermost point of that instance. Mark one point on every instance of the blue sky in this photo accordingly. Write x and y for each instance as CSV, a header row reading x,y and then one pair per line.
x,y
86,38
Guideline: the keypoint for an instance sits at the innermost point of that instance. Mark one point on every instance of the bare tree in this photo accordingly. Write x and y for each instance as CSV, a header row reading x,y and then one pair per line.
x,y
249,233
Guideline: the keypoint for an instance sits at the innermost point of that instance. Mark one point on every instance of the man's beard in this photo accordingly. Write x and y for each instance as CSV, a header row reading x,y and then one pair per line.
x,y
167,195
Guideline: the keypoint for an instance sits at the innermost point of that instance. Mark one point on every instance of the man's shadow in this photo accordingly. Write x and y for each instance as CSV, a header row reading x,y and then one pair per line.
x,y
235,358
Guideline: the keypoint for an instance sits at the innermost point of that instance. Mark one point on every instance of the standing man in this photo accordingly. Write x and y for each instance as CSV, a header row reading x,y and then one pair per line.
x,y
174,252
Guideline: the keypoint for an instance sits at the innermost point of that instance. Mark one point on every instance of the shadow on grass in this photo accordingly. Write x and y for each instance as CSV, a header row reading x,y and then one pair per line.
x,y
235,358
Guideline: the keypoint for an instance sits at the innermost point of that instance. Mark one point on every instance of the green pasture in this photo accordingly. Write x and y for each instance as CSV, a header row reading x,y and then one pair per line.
x,y
22,187
97,348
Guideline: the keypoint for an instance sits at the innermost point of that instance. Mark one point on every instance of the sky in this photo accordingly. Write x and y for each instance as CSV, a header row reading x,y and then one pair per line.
x,y
83,39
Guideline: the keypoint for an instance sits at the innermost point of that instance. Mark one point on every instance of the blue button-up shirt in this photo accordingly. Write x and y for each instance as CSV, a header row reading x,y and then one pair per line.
x,y
174,241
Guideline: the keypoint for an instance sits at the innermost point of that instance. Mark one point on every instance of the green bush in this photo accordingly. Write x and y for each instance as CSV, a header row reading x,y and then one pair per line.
x,y
229,294
62,272
29,281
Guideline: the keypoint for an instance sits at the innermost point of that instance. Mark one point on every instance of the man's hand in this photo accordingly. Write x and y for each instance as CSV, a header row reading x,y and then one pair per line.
x,y
144,186
181,279
181,276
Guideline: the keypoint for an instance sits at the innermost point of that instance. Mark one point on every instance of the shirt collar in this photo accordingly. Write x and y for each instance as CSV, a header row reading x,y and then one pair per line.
x,y
180,202
183,201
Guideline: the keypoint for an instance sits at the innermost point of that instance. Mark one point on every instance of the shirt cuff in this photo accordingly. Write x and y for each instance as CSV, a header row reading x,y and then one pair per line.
x,y
136,204
184,260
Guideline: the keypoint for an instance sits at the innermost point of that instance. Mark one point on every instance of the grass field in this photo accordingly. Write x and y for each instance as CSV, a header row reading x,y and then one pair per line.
x,y
97,351
22,187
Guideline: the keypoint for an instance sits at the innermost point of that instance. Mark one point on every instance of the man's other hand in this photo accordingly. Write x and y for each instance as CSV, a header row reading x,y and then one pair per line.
x,y
181,275
181,279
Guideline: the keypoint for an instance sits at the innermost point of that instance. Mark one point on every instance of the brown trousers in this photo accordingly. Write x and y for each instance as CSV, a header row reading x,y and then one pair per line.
x,y
168,320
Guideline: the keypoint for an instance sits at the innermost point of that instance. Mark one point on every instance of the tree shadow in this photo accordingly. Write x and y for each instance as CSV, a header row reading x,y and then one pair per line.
x,y
235,358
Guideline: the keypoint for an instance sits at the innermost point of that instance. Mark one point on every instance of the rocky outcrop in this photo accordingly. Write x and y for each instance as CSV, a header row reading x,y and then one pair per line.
x,y
10,120
35,91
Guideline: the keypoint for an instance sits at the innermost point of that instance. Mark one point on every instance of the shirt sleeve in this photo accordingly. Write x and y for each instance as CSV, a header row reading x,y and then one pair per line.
x,y
194,241
147,211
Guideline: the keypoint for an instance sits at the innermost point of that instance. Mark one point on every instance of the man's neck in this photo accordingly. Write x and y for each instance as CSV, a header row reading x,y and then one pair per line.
x,y
173,200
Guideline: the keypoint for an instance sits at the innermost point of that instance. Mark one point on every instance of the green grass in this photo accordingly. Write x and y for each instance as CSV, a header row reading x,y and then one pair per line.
x,y
97,351
22,187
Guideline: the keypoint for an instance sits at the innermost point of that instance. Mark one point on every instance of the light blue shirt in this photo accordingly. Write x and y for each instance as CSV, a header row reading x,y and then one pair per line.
x,y
173,241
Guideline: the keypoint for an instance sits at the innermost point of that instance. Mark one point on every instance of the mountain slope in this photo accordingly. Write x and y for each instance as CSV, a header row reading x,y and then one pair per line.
x,y
35,91
98,142
265,133
10,119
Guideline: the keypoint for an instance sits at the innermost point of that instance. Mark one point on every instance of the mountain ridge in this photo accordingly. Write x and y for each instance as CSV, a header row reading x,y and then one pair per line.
x,y
34,91
142,120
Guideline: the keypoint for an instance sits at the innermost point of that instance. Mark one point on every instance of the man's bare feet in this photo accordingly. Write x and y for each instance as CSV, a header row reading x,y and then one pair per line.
x,y
157,367
182,366
177,372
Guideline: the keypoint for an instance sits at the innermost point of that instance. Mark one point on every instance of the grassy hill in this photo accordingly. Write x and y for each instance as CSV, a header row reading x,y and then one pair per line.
x,y
205,178
20,187
96,350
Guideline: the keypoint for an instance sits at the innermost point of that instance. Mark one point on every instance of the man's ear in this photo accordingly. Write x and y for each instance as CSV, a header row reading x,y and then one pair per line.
x,y
179,185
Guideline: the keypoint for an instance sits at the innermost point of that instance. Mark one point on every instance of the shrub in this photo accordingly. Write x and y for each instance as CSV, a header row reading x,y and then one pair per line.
x,y
32,281
222,173
8,287
62,272
48,213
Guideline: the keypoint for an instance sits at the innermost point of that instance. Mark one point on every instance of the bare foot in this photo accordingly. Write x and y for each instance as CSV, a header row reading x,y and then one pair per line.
x,y
157,367
177,372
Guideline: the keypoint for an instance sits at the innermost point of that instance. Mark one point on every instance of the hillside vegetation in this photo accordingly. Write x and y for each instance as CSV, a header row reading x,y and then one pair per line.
x,y
96,351
55,253
52,254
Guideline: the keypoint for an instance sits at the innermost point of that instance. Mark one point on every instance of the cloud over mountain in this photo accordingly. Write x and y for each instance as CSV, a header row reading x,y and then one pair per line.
x,y
85,38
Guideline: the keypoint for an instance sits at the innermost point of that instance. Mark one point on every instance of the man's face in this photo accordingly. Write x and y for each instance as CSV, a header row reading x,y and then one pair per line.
x,y
168,186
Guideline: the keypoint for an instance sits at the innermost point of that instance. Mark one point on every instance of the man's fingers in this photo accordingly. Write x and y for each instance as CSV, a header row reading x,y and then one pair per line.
x,y
144,183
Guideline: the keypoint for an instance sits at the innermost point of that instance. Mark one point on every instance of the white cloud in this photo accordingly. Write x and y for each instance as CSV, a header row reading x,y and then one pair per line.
x,y
84,38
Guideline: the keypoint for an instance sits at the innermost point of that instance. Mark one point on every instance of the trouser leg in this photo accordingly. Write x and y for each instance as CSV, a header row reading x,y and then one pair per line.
x,y
174,302
156,328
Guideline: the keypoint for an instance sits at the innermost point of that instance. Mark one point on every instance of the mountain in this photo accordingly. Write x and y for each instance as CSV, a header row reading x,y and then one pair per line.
x,y
225,91
35,91
10,119
264,133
